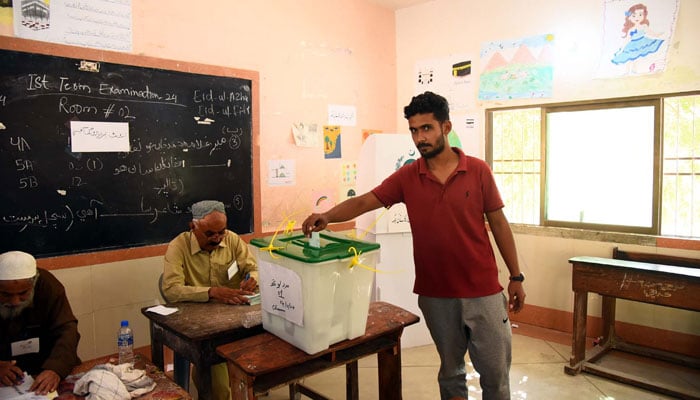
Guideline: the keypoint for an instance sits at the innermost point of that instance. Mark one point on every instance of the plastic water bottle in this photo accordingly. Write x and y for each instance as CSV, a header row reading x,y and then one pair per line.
x,y
125,343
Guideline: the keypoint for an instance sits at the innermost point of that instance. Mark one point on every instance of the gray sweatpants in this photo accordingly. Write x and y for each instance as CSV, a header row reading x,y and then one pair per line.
x,y
480,326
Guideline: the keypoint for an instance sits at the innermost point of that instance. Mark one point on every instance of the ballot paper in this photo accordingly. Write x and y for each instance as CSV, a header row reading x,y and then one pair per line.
x,y
253,299
22,392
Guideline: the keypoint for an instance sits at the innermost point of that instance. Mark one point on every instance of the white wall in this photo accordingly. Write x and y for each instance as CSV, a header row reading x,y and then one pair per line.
x,y
102,295
442,28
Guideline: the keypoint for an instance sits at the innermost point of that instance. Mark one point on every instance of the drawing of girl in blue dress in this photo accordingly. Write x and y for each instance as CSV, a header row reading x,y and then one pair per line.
x,y
639,40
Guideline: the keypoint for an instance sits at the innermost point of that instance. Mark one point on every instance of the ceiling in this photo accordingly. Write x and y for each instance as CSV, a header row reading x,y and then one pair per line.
x,y
397,4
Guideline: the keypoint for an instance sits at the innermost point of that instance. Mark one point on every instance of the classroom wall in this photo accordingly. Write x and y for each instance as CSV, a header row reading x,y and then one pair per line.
x,y
442,28
313,53
308,54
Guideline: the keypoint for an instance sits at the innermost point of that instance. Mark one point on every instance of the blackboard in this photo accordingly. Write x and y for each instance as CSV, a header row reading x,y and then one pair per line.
x,y
103,155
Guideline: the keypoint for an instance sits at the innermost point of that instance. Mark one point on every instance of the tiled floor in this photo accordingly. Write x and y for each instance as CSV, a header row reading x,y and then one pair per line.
x,y
537,372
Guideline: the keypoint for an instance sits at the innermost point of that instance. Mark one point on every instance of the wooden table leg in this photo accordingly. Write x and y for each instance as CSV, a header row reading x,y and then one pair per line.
x,y
352,387
578,346
181,371
156,345
389,363
204,388
608,314
609,339
294,393
242,385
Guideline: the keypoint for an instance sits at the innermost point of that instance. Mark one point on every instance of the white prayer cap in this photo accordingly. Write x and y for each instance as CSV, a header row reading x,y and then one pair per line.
x,y
205,207
17,265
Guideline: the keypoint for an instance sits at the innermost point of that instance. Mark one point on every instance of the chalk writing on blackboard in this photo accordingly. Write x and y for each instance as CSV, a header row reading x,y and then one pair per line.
x,y
112,159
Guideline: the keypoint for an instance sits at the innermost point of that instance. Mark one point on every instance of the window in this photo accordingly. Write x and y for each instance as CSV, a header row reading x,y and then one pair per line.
x,y
516,162
608,165
600,167
680,213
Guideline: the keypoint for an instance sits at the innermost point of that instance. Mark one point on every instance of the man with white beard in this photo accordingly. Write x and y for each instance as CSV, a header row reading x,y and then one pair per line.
x,y
38,331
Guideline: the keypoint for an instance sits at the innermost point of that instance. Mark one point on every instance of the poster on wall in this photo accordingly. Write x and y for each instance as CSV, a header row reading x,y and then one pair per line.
x,y
306,134
464,128
342,115
281,172
517,69
636,37
331,142
323,200
450,77
101,24
367,132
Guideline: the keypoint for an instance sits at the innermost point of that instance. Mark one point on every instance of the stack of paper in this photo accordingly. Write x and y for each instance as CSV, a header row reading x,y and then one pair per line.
x,y
253,299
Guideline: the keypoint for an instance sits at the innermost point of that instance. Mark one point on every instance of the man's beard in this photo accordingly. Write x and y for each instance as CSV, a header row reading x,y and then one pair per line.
x,y
437,149
12,312
210,246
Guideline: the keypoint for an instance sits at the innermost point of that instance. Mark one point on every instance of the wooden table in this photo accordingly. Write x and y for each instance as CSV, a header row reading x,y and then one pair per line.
x,y
165,389
659,284
194,332
262,362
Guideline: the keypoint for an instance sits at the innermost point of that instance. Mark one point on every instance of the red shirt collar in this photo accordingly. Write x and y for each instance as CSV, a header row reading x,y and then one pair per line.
x,y
461,166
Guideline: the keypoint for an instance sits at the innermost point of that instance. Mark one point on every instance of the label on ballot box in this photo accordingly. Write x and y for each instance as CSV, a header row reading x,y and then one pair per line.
x,y
315,295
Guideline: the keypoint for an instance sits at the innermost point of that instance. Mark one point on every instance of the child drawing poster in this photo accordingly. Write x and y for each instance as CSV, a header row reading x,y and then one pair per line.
x,y
281,172
323,200
636,37
331,142
516,69
306,134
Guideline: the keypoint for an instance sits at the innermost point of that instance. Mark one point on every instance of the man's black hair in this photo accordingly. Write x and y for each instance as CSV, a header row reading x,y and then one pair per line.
x,y
427,103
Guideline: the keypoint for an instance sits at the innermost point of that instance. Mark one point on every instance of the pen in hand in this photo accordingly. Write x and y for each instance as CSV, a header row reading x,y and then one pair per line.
x,y
248,283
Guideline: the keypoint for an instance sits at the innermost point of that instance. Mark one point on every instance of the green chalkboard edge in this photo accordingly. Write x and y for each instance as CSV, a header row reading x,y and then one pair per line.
x,y
100,257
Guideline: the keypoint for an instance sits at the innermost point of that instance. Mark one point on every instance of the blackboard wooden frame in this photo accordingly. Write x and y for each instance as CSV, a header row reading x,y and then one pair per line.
x,y
57,50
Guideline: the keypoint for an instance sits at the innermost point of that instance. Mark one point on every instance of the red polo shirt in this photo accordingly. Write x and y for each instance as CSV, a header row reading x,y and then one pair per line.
x,y
451,248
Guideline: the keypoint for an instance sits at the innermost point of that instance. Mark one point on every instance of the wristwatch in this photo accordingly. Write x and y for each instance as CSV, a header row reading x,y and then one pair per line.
x,y
518,278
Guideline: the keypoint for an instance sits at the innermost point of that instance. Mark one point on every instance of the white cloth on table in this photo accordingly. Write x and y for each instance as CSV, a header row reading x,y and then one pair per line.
x,y
114,382
100,384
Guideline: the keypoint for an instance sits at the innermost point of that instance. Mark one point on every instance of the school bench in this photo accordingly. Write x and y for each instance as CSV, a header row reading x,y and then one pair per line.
x,y
262,362
655,258
651,278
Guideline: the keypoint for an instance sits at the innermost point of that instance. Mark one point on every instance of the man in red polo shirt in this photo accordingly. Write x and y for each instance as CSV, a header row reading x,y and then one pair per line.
x,y
447,194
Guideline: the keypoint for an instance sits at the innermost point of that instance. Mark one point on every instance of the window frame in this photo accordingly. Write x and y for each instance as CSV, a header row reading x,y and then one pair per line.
x,y
656,101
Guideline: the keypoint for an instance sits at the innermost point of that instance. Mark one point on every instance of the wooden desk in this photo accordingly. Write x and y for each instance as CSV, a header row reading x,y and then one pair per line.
x,y
260,363
194,331
664,285
165,389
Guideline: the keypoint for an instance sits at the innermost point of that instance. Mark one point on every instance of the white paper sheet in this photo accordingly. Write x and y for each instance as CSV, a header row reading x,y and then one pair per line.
x,y
162,310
